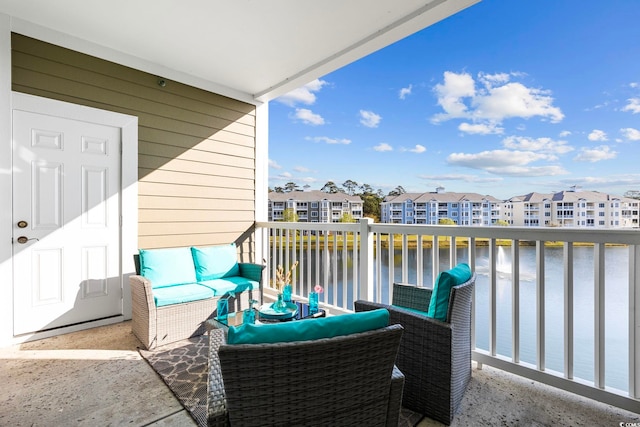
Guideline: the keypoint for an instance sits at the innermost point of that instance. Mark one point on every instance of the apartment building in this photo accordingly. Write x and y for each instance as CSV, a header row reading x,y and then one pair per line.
x,y
573,208
314,206
430,208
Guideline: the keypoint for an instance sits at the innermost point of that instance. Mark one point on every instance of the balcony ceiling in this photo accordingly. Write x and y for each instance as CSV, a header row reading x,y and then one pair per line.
x,y
247,49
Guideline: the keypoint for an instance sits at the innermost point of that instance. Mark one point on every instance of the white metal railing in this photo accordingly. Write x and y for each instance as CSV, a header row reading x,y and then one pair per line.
x,y
360,261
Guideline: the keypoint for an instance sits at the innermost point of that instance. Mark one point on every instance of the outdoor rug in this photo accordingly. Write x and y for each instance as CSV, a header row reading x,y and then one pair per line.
x,y
184,367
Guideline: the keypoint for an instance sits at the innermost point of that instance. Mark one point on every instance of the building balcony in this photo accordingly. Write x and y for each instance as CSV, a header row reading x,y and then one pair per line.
x,y
575,300
520,376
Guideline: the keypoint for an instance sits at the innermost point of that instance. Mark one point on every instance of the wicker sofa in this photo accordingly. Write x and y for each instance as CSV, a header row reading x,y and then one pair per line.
x,y
341,380
176,290
434,355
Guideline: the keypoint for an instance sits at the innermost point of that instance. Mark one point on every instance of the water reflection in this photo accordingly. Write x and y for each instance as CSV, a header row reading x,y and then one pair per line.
x,y
616,299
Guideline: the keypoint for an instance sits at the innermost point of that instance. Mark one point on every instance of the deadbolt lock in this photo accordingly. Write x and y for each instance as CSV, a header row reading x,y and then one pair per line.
x,y
22,224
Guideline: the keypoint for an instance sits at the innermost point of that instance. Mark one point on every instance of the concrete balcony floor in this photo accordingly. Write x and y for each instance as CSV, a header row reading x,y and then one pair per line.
x,y
97,378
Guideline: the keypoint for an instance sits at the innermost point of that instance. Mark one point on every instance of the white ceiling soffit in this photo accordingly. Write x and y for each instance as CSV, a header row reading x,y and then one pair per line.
x,y
247,49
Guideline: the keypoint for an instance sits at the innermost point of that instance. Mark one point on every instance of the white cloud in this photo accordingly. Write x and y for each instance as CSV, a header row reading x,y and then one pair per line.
x,y
308,117
516,100
597,135
596,154
496,158
383,146
544,145
564,133
529,171
273,164
507,162
461,177
417,149
302,95
405,91
451,93
480,128
328,140
369,119
630,134
490,80
627,180
633,106
301,169
500,99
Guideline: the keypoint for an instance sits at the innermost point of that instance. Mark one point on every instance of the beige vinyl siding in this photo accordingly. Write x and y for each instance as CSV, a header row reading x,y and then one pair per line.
x,y
196,161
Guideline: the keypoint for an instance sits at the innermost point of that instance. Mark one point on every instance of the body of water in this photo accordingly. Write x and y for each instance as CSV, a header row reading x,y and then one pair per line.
x,y
616,302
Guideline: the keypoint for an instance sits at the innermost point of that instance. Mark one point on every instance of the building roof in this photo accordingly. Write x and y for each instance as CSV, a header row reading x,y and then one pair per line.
x,y
312,196
568,196
451,197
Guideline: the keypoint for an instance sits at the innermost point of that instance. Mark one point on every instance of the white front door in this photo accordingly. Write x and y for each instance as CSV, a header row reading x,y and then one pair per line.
x,y
66,221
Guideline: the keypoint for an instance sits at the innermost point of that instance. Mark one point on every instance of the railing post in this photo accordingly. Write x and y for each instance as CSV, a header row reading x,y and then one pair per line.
x,y
599,316
634,321
493,309
366,259
540,315
568,309
515,300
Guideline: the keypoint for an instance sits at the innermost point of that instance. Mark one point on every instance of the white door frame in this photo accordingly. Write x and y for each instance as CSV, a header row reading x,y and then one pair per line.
x,y
6,272
128,191
128,197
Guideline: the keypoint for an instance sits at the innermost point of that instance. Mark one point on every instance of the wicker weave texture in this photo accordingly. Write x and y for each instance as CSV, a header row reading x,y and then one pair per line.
x,y
341,381
434,356
158,326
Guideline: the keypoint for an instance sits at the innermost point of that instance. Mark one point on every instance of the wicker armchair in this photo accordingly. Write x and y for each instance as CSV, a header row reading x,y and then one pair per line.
x,y
342,381
434,356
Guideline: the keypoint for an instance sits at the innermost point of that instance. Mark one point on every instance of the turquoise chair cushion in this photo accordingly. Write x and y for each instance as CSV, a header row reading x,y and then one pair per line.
x,y
309,329
439,303
180,294
167,267
235,284
215,262
412,310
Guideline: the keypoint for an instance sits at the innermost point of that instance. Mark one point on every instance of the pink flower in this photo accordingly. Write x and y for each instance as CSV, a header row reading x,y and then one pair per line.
x,y
318,289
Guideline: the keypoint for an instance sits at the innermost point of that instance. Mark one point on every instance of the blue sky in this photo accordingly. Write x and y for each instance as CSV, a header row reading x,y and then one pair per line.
x,y
504,98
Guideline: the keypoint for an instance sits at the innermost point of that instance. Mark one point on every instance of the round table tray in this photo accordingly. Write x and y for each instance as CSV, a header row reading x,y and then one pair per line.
x,y
266,311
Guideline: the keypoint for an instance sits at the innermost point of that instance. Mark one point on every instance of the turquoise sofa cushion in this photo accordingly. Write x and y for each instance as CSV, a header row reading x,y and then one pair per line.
x,y
309,329
230,284
439,303
180,294
167,267
215,262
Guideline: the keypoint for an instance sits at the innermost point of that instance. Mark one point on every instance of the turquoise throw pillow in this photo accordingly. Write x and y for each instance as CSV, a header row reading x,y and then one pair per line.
x,y
439,303
167,267
309,329
216,262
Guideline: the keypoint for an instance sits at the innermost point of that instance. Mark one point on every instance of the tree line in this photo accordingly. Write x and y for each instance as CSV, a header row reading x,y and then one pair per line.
x,y
371,198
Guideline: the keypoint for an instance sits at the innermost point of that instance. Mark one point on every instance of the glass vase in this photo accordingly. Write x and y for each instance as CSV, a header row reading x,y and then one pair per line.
x,y
223,308
286,293
280,305
313,302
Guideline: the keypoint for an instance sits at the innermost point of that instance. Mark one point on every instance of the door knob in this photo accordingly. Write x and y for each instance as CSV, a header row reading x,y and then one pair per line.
x,y
25,239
